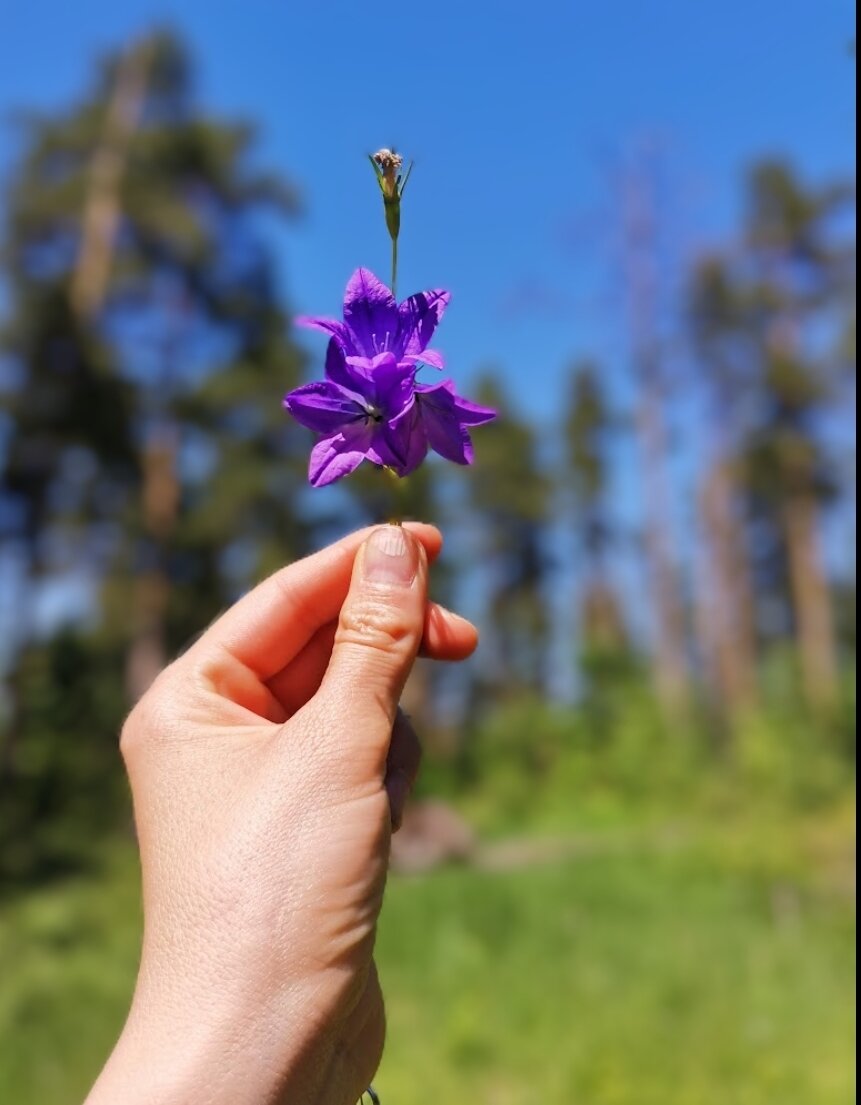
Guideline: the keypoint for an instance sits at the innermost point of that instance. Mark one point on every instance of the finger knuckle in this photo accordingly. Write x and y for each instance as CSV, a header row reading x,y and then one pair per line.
x,y
132,731
151,718
372,623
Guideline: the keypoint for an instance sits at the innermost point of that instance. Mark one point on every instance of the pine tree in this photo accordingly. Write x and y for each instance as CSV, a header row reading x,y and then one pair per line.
x,y
797,259
147,349
589,426
510,498
773,323
726,361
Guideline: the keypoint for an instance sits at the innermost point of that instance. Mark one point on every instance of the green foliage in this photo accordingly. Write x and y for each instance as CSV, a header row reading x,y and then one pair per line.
x,y
510,496
791,277
695,963
532,764
585,480
657,971
587,427
70,789
509,485
771,322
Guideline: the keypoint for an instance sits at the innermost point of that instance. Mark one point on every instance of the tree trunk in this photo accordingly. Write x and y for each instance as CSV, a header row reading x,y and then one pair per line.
x,y
89,286
671,665
731,630
602,624
811,602
101,215
148,653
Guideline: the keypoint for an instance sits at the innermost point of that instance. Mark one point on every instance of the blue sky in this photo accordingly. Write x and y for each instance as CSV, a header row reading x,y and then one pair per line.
x,y
513,113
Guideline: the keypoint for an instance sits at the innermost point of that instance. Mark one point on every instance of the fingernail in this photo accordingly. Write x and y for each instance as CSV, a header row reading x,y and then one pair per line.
x,y
389,557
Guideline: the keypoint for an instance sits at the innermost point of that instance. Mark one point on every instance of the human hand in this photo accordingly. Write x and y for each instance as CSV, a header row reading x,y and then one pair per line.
x,y
268,765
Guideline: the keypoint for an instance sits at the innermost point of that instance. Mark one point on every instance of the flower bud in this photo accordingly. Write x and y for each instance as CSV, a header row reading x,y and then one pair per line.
x,y
388,162
387,168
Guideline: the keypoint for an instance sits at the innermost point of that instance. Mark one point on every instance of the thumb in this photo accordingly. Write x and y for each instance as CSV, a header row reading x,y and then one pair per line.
x,y
378,636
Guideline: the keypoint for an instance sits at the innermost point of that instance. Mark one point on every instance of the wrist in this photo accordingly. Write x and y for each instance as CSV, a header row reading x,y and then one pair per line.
x,y
224,1052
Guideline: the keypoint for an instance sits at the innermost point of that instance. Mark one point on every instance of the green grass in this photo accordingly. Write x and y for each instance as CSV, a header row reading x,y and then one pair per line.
x,y
713,965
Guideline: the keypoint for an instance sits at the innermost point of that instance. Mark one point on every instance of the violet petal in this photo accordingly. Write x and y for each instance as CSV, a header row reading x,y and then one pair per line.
x,y
322,406
393,385
339,454
419,315
407,440
430,357
445,417
443,394
337,370
331,326
371,313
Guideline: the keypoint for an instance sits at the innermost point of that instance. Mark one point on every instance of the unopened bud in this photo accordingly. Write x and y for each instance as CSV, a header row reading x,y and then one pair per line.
x,y
387,168
389,164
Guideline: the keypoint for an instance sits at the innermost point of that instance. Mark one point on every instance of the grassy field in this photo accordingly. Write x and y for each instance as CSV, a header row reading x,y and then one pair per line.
x,y
707,964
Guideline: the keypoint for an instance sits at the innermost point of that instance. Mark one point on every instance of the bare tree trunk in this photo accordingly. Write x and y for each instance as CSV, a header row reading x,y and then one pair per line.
x,y
707,599
811,600
814,623
147,653
102,210
603,626
89,286
671,666
732,630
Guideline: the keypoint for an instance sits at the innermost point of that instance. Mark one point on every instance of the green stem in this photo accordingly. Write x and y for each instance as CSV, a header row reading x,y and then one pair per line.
x,y
397,497
394,267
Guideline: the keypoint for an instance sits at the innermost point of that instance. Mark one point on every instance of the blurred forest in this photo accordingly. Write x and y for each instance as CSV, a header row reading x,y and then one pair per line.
x,y
654,746
148,475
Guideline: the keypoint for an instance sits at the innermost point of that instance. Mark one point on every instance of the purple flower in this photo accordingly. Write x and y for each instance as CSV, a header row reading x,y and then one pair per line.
x,y
369,406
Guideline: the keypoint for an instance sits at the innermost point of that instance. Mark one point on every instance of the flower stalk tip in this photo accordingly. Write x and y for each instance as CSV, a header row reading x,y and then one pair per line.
x,y
391,181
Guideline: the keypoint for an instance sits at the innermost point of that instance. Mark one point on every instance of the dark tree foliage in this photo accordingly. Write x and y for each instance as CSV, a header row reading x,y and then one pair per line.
x,y
146,455
772,323
510,494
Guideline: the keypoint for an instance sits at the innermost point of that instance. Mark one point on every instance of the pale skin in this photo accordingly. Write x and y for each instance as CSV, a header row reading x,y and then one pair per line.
x,y
269,765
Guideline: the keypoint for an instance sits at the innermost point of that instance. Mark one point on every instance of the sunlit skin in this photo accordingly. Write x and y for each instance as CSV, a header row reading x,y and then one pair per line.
x,y
269,765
